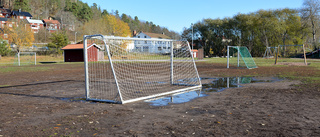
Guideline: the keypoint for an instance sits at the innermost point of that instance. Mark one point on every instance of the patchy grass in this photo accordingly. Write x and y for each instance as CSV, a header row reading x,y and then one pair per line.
x,y
4,86
8,61
9,69
307,74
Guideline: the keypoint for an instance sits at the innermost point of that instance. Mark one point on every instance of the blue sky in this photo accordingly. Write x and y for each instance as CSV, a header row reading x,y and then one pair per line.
x,y
177,14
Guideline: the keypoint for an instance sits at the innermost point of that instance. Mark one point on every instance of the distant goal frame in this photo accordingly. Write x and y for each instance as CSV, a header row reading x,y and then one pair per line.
x,y
121,76
242,57
18,54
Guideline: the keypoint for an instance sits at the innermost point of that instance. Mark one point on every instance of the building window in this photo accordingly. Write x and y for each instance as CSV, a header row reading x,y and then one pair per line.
x,y
145,48
138,36
159,48
164,47
145,36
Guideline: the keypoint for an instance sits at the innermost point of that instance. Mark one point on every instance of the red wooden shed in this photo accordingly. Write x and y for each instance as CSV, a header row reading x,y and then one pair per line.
x,y
74,53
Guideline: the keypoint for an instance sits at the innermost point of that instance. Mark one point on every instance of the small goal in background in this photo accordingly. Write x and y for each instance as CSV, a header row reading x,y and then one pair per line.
x,y
123,70
25,58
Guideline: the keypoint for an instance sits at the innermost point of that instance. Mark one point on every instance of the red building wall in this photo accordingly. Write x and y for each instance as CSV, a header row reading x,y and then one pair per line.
x,y
92,54
76,55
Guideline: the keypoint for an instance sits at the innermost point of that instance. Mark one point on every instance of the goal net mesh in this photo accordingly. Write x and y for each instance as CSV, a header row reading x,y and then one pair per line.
x,y
130,69
24,58
240,56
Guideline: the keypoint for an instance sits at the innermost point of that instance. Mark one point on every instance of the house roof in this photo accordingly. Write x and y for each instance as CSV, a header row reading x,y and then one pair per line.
x,y
2,10
156,35
51,21
78,46
3,19
27,14
34,21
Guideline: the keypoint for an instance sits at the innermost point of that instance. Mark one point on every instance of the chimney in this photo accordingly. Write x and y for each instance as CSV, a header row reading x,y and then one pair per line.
x,y
19,10
162,33
134,33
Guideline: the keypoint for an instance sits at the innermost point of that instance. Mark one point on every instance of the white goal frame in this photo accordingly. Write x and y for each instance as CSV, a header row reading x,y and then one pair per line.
x,y
29,53
179,82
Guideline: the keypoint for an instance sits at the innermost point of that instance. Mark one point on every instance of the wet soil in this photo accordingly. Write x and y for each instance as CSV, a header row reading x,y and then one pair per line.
x,y
51,103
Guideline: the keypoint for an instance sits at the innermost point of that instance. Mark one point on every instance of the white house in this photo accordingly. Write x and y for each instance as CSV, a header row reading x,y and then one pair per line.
x,y
35,25
156,46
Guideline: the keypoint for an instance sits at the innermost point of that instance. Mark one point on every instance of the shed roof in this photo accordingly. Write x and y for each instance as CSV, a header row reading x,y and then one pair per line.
x,y
78,46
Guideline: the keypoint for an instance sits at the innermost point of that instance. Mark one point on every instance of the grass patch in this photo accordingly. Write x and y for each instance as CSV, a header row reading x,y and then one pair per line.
x,y
9,61
4,86
23,69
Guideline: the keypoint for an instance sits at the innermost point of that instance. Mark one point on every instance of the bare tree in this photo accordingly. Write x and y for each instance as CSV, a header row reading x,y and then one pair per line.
x,y
310,17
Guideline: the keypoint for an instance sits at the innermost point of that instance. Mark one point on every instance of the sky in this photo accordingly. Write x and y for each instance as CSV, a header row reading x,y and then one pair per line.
x,y
177,14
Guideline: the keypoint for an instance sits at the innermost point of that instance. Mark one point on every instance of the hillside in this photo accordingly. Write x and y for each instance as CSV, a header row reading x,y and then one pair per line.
x,y
78,13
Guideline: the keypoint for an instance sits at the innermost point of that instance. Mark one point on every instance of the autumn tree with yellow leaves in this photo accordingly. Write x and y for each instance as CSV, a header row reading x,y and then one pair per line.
x,y
107,25
20,34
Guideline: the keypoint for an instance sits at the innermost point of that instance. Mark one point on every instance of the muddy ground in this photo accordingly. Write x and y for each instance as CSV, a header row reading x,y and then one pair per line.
x,y
49,103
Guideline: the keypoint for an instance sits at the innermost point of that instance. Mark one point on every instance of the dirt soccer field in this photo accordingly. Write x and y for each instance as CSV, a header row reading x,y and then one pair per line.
x,y
47,100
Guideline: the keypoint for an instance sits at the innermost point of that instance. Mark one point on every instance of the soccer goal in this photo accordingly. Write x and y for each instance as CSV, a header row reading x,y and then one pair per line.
x,y
290,52
243,57
25,58
123,69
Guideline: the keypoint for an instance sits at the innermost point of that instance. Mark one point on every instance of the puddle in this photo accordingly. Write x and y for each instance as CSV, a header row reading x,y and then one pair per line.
x,y
208,85
176,98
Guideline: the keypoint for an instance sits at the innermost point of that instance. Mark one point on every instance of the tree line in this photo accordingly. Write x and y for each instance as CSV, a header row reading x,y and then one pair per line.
x,y
258,30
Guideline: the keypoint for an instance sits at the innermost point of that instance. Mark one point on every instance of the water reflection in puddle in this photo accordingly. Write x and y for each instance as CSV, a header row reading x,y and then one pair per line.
x,y
208,85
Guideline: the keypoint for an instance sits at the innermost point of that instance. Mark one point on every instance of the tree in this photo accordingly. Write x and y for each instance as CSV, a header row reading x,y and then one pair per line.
x,y
21,35
4,50
310,16
22,4
58,40
104,12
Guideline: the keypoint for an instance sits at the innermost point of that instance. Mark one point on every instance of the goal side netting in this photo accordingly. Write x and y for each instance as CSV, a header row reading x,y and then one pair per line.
x,y
123,70
241,56
25,58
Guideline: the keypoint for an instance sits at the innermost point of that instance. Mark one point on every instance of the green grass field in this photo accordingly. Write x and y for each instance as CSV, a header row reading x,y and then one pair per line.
x,y
6,66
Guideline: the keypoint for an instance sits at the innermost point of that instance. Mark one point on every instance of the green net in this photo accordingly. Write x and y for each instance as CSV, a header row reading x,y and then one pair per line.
x,y
241,57
247,58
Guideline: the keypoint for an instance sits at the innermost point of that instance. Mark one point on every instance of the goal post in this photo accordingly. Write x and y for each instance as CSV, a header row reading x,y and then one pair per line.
x,y
243,54
25,58
123,69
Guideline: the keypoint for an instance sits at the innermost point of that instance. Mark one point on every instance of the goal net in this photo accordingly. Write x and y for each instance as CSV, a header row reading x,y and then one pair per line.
x,y
25,58
240,56
123,70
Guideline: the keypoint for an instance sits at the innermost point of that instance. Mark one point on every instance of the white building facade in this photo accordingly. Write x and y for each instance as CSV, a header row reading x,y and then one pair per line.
x,y
156,46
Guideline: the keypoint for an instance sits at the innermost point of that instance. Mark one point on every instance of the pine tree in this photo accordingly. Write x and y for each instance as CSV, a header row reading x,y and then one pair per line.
x,y
22,5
